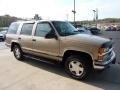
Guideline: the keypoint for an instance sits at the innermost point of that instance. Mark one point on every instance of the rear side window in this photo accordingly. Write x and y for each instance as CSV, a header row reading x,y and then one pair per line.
x,y
27,29
13,28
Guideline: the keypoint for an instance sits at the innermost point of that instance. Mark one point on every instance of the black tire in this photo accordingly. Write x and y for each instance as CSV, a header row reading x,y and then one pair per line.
x,y
18,52
84,66
99,71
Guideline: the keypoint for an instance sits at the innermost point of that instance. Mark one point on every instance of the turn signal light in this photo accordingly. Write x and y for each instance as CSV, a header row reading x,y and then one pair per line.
x,y
101,50
100,58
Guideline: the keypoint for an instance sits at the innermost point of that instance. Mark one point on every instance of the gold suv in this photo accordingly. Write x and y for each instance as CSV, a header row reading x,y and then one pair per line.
x,y
60,41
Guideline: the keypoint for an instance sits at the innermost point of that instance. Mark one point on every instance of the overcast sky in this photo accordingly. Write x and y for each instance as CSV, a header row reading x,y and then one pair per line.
x,y
60,9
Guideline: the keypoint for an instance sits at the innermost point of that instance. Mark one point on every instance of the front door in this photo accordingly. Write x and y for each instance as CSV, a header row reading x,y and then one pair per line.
x,y
46,47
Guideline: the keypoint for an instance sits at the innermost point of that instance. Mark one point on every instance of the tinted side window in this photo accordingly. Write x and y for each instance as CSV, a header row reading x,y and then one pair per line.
x,y
13,28
27,29
43,29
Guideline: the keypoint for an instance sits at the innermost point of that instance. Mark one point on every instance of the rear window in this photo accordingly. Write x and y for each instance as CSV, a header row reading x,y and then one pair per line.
x,y
13,28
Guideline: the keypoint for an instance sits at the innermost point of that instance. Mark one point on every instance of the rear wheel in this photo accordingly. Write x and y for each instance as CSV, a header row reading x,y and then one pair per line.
x,y
18,52
77,67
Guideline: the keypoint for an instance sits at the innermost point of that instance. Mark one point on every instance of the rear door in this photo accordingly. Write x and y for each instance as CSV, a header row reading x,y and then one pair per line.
x,y
25,37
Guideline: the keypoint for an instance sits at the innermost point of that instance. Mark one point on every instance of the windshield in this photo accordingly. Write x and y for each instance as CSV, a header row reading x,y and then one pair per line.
x,y
65,28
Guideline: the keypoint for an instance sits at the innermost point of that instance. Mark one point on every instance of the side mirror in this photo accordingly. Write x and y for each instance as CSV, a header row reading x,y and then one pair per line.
x,y
51,35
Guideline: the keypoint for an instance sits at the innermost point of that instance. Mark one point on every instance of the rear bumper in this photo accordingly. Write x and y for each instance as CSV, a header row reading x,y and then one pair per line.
x,y
105,63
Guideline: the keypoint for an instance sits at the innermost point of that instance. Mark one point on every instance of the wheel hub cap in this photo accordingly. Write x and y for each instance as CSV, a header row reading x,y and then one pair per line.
x,y
76,68
17,52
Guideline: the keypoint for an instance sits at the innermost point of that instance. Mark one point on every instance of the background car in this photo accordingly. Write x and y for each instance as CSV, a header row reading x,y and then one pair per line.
x,y
94,30
118,28
111,28
2,35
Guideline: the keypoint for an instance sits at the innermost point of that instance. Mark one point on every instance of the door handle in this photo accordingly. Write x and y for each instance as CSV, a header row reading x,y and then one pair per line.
x,y
33,39
19,38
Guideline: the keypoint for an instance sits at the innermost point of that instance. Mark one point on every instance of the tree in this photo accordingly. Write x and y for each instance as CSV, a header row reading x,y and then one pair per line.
x,y
37,17
6,20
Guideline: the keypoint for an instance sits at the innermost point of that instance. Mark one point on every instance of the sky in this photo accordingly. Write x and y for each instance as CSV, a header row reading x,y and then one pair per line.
x,y
60,9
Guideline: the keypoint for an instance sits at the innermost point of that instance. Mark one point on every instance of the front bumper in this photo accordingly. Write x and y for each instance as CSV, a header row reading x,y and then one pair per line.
x,y
105,63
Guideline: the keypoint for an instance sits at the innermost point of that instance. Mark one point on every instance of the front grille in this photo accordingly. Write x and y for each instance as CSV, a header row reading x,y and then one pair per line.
x,y
108,55
110,46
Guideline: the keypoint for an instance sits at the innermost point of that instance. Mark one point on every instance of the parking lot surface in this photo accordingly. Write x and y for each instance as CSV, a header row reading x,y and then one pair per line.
x,y
2,45
37,75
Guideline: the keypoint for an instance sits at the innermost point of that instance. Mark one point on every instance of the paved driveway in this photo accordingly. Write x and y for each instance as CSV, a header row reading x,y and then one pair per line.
x,y
35,75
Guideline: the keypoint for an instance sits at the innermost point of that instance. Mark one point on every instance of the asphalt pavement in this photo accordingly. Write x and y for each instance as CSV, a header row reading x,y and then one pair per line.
x,y
115,36
36,75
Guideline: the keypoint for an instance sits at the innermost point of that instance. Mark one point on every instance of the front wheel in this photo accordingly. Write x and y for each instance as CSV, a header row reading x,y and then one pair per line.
x,y
18,52
77,67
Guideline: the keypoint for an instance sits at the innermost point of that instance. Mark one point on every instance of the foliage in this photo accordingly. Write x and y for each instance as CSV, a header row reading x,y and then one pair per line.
x,y
6,20
37,17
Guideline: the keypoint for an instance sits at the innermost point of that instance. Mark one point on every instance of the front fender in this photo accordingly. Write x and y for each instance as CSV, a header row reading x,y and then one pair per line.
x,y
78,50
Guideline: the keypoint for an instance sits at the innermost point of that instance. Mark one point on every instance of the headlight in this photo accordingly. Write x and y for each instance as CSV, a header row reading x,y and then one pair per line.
x,y
103,50
106,49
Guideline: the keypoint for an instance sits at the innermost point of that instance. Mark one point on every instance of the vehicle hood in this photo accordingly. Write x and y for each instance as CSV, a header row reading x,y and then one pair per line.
x,y
88,39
